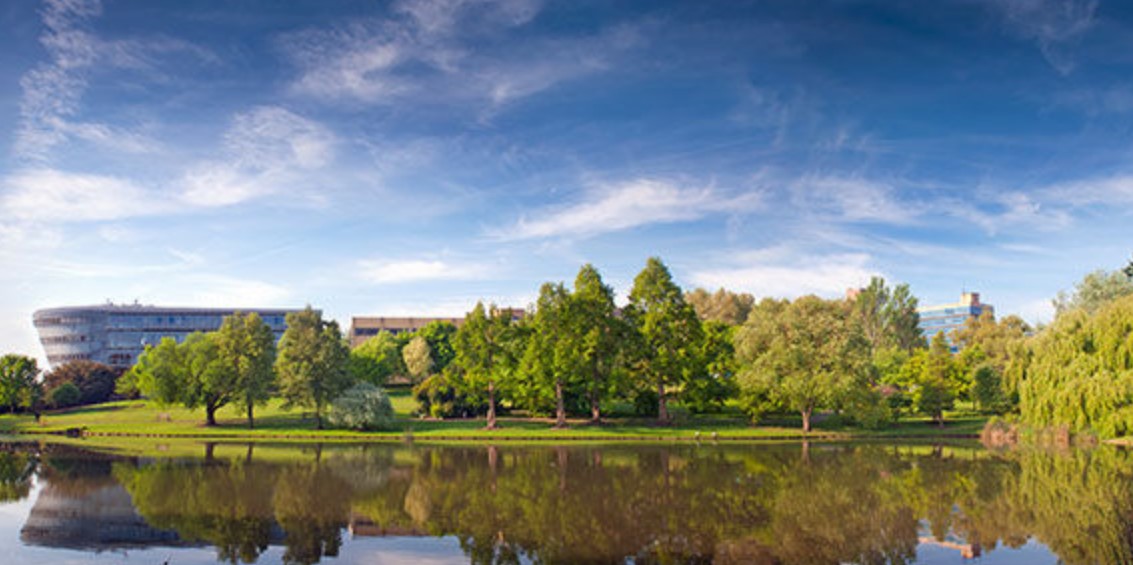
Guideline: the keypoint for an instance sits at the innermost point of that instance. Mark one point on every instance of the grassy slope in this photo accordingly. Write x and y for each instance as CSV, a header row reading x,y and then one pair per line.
x,y
272,422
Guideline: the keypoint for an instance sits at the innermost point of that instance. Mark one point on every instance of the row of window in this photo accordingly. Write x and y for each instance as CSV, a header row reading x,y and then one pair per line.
x,y
65,338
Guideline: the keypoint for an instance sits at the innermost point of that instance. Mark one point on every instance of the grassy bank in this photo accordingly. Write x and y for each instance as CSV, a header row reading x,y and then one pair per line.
x,y
143,419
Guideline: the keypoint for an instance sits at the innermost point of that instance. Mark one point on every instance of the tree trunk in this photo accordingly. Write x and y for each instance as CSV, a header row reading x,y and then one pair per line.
x,y
492,405
560,408
595,409
806,419
251,418
662,405
210,415
318,416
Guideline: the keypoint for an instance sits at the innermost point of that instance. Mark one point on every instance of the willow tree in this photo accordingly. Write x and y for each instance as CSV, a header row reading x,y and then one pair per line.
x,y
246,346
486,353
668,333
804,356
313,362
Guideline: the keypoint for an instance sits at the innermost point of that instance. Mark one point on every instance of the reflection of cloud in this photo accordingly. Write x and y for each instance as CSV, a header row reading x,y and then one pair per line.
x,y
779,272
616,207
393,272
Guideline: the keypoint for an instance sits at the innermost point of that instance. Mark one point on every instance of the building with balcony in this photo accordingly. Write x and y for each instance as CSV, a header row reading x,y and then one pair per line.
x,y
948,317
115,334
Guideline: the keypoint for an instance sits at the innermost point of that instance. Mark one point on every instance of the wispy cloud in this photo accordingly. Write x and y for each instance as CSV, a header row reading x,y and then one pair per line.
x,y
783,272
853,199
49,195
1051,24
381,271
420,54
267,149
625,205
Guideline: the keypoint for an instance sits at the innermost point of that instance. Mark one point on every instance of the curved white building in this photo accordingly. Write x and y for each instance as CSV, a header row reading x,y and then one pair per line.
x,y
115,334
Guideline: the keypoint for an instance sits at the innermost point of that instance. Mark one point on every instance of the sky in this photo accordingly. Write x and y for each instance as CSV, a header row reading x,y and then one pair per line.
x,y
413,157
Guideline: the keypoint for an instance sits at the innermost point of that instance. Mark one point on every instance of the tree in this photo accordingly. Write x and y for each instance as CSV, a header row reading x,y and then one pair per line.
x,y
550,359
246,346
715,381
667,330
17,376
806,355
599,334
207,380
377,359
439,336
361,407
936,387
722,306
888,317
486,352
418,358
66,395
1094,291
313,362
159,372
95,381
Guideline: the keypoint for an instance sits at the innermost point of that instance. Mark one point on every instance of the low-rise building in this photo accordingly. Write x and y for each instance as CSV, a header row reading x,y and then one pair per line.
x,y
365,327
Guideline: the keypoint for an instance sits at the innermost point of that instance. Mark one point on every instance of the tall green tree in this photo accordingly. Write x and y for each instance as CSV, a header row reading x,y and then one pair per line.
x,y
377,359
18,375
439,335
207,381
159,372
805,355
667,331
599,335
313,362
714,381
938,383
550,361
487,351
888,316
246,346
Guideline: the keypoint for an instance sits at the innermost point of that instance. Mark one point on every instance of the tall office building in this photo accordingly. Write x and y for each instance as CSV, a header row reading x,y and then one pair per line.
x,y
948,317
115,334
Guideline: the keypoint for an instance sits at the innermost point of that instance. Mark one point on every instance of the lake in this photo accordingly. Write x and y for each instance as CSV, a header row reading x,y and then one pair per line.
x,y
615,503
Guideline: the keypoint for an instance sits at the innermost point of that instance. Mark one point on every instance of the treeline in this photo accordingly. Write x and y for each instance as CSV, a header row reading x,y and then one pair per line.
x,y
576,354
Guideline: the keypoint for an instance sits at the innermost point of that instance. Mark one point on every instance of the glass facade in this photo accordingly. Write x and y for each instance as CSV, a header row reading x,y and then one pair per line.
x,y
950,317
117,334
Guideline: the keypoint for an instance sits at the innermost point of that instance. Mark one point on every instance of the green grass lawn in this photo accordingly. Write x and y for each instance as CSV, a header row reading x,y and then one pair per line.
x,y
142,418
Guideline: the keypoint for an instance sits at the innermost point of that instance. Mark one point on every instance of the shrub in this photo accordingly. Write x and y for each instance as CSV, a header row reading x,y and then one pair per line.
x,y
95,381
66,394
362,407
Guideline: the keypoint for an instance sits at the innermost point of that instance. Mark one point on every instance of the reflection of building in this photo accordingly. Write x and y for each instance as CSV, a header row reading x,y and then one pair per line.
x,y
948,317
115,334
967,550
365,327
99,518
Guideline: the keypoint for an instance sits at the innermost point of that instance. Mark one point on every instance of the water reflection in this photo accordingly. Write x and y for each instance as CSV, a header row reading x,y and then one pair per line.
x,y
650,504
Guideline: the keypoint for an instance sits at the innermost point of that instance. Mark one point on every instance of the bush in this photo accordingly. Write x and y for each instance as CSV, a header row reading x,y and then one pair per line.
x,y
439,398
66,394
362,407
94,381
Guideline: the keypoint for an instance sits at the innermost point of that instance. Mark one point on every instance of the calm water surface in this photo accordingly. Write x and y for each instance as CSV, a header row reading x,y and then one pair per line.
x,y
822,503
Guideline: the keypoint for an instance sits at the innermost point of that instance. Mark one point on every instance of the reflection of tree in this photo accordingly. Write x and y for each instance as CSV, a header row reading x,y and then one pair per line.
x,y
16,469
226,505
312,504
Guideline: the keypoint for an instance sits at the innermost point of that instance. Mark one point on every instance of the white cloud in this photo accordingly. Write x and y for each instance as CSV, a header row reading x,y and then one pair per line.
x,y
266,150
219,291
1114,190
781,272
1051,24
415,270
48,195
853,199
420,54
620,206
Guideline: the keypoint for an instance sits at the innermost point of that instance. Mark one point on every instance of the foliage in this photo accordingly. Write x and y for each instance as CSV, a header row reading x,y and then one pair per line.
x,y
663,350
549,363
95,381
715,380
987,390
191,373
17,379
804,355
313,360
487,347
66,395
418,358
599,335
721,306
361,407
439,336
1081,373
377,359
246,346
888,317
936,383
1095,290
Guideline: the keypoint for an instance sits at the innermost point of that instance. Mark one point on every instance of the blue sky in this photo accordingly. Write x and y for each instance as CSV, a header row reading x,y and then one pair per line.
x,y
413,157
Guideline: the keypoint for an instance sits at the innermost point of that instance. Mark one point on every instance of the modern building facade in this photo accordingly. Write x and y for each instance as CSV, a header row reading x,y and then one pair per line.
x,y
115,334
948,317
365,327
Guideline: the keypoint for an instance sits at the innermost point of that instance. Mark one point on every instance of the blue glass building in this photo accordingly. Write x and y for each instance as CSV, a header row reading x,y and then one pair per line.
x,y
115,334
948,317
